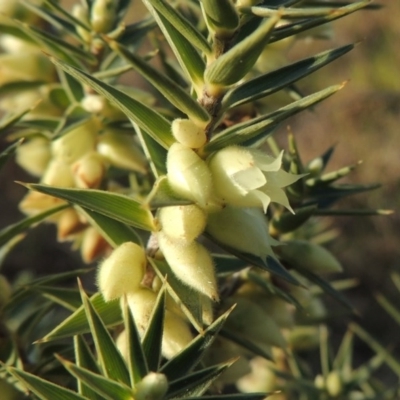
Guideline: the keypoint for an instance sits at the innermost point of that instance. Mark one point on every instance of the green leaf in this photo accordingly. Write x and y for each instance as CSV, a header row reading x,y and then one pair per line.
x,y
12,231
188,358
377,347
112,230
186,54
226,264
162,195
389,307
85,359
344,356
288,222
72,87
187,298
303,25
271,265
152,339
221,16
271,82
233,65
196,383
11,119
330,177
182,25
177,96
7,153
325,286
110,359
77,323
137,363
257,127
116,206
109,389
45,390
149,120
242,396
67,298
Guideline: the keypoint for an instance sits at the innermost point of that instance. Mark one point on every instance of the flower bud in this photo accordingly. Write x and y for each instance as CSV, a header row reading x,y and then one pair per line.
x,y
89,171
93,103
152,387
188,174
176,335
260,379
34,155
183,223
191,263
58,174
93,245
68,223
81,13
76,143
35,202
120,150
188,133
309,256
244,229
334,384
103,15
315,166
122,271
304,337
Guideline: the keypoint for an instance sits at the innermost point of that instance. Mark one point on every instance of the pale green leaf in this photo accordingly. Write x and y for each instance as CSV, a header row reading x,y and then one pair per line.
x,y
116,206
259,127
221,16
148,119
43,389
233,65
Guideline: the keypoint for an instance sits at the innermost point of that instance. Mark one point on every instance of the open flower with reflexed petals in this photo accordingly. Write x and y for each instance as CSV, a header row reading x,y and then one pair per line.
x,y
246,177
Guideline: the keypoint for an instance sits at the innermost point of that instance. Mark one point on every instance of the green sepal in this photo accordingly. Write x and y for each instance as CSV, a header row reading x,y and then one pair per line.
x,y
288,222
152,338
187,359
303,25
43,389
77,323
85,359
177,96
261,126
116,206
271,82
107,387
233,65
113,231
196,383
136,359
151,121
186,54
11,231
162,195
221,16
110,359
182,25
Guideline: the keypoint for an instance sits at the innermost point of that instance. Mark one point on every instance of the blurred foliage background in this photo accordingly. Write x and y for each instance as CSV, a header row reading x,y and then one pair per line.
x,y
363,121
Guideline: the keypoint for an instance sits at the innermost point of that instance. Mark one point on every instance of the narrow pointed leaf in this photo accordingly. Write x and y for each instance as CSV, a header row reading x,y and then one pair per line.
x,y
72,87
7,153
288,222
377,347
303,25
109,357
137,363
188,358
226,264
113,231
233,65
182,25
109,389
67,298
85,359
116,206
196,383
241,396
258,127
43,389
178,97
186,54
344,355
10,119
271,82
77,323
152,338
12,231
153,122
325,286
389,307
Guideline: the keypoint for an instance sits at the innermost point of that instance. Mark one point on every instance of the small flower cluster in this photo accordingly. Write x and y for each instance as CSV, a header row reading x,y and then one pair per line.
x,y
121,274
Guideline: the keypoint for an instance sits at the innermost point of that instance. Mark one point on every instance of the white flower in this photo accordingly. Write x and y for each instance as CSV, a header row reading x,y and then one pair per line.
x,y
249,178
